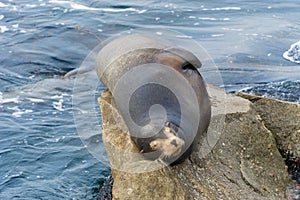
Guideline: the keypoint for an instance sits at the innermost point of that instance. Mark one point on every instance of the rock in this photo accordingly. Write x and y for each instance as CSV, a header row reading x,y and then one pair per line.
x,y
281,118
105,192
240,159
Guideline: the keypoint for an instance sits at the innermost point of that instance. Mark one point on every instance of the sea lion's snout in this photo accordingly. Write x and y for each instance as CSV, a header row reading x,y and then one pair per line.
x,y
173,142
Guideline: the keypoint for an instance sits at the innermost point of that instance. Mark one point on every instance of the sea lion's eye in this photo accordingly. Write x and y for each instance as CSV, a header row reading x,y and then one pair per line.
x,y
188,66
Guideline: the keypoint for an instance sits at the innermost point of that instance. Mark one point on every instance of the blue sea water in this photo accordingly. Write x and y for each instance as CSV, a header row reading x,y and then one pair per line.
x,y
41,154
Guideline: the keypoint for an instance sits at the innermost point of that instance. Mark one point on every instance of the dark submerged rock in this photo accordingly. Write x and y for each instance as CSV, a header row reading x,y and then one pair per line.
x,y
105,192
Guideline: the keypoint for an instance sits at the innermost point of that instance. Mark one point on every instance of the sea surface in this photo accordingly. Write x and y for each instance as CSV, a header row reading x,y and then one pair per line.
x,y
254,45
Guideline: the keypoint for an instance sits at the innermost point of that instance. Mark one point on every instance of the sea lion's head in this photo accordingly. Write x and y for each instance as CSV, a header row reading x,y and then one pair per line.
x,y
169,146
167,143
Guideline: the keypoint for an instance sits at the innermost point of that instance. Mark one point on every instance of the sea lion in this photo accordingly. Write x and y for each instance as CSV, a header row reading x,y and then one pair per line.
x,y
159,93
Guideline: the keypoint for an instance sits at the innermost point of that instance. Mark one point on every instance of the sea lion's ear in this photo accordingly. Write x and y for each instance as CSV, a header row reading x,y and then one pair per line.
x,y
188,56
172,126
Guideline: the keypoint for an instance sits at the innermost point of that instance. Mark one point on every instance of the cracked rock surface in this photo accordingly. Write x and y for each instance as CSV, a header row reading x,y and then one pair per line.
x,y
239,160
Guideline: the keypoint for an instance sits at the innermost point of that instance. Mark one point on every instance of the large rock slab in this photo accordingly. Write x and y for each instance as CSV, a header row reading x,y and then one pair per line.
x,y
240,159
281,118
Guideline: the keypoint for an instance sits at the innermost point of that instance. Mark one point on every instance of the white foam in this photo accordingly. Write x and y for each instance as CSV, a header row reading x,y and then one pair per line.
x,y
77,6
223,8
9,100
233,29
251,34
293,54
35,100
2,5
1,97
217,35
15,25
59,96
207,18
141,11
3,29
1,17
56,8
60,23
184,36
268,36
58,105
18,112
14,8
214,19
31,5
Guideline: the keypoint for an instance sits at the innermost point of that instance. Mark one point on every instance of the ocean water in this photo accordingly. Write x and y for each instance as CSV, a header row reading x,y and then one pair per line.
x,y
41,153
